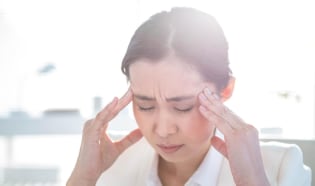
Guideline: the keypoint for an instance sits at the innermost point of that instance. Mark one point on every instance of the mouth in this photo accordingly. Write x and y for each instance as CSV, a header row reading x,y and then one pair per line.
x,y
169,148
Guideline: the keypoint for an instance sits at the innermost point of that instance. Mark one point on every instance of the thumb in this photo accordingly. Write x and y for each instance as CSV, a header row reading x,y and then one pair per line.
x,y
129,140
219,145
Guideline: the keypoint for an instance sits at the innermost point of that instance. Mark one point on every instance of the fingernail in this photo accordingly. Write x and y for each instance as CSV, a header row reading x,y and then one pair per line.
x,y
202,97
114,99
128,92
216,97
208,91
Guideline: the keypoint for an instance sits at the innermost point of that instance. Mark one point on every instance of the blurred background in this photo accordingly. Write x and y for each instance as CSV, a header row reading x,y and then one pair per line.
x,y
60,64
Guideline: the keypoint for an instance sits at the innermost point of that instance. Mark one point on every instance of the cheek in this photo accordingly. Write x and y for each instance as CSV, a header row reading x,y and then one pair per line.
x,y
197,128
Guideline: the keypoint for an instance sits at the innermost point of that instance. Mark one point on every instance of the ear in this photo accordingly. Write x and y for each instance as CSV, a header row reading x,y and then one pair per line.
x,y
227,92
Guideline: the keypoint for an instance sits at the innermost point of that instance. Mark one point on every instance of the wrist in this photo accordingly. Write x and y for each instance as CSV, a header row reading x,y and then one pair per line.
x,y
80,182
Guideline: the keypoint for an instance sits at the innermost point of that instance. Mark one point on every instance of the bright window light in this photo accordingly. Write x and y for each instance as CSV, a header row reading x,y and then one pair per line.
x,y
66,54
271,52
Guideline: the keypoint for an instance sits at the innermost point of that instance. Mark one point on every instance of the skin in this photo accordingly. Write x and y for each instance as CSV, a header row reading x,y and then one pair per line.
x,y
166,110
177,109
98,152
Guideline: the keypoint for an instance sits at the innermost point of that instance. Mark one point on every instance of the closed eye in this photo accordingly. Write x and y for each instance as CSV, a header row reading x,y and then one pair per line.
x,y
183,109
145,108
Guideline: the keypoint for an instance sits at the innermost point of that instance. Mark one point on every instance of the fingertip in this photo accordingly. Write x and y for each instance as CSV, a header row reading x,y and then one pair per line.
x,y
219,145
113,103
128,93
126,98
207,91
137,133
114,100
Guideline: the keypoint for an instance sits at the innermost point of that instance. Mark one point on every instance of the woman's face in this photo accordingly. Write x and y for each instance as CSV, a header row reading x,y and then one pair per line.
x,y
166,108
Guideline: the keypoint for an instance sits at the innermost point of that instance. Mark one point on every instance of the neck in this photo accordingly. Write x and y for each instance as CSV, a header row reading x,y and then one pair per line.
x,y
179,172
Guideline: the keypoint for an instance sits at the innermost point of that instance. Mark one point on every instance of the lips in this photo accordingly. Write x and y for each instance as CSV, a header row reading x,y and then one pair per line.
x,y
169,148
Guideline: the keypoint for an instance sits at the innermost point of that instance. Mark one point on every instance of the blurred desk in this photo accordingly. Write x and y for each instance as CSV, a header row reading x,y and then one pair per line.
x,y
52,122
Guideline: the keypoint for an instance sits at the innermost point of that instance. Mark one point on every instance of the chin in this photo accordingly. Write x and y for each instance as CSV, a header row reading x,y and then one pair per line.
x,y
174,156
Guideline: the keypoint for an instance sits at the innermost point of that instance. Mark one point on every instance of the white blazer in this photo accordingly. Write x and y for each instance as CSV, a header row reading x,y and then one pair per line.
x,y
283,165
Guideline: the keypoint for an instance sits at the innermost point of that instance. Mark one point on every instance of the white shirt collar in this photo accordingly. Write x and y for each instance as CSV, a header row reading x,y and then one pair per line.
x,y
153,177
208,172
206,175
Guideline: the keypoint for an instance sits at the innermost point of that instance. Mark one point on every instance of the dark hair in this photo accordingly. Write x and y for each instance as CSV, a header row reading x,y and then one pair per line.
x,y
191,35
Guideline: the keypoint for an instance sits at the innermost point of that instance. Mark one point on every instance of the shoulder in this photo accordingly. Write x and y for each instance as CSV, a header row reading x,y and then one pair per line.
x,y
284,164
130,167
277,152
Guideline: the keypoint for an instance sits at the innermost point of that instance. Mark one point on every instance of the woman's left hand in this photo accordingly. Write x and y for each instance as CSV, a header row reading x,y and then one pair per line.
x,y
241,143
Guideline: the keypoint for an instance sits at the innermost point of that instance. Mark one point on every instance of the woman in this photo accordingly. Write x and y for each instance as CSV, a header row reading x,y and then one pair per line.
x,y
178,68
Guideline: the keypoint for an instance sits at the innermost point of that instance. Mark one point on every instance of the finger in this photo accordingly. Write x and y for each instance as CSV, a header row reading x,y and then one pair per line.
x,y
208,100
105,141
87,125
211,96
213,103
129,140
124,101
121,104
112,109
104,136
206,109
219,145
214,119
104,116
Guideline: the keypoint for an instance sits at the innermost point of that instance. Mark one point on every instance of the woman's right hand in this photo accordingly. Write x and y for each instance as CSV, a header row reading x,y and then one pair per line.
x,y
98,152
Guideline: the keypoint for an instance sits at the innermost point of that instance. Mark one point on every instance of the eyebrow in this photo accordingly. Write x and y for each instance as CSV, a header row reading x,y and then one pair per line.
x,y
172,99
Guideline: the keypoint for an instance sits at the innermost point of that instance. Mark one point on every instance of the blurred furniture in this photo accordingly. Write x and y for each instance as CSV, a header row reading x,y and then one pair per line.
x,y
30,176
19,123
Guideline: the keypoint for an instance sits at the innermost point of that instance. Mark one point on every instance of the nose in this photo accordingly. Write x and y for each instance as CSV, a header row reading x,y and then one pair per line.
x,y
164,125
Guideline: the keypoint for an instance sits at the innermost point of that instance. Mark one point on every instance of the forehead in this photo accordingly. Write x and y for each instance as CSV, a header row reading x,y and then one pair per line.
x,y
168,77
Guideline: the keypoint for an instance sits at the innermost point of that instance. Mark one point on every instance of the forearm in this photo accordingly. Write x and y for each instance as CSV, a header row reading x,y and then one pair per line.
x,y
257,180
77,180
260,183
